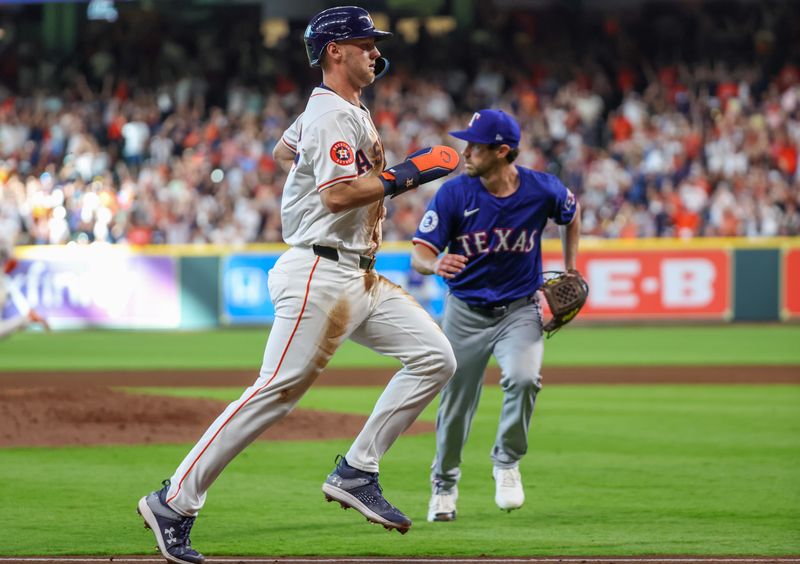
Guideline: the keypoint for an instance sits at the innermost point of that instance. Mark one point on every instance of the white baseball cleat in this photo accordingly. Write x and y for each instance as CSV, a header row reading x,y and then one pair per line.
x,y
509,494
442,506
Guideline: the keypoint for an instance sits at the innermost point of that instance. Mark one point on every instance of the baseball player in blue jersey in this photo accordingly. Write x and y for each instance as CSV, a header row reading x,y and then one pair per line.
x,y
482,233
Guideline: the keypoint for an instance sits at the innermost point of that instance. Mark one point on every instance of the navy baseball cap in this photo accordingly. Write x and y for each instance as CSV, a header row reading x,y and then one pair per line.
x,y
490,126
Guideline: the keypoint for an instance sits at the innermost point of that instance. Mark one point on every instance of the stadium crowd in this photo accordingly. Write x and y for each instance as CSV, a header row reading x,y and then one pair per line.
x,y
654,145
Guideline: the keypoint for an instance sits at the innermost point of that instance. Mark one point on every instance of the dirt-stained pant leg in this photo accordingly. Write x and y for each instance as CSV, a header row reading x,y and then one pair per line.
x,y
317,304
398,326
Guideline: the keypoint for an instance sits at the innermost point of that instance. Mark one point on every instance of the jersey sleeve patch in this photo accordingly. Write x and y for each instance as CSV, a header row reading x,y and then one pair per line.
x,y
565,204
429,221
569,201
342,153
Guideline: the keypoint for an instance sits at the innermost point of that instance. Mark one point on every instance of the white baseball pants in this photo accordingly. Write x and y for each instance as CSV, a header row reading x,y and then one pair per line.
x,y
318,304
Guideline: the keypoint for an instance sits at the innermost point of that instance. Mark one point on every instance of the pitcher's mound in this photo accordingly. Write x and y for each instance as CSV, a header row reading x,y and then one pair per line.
x,y
59,416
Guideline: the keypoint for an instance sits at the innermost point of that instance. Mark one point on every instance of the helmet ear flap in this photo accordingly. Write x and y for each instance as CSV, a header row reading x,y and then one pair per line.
x,y
313,59
381,67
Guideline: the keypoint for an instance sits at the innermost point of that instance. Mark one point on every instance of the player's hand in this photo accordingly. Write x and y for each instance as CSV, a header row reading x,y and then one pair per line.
x,y
450,265
418,168
34,317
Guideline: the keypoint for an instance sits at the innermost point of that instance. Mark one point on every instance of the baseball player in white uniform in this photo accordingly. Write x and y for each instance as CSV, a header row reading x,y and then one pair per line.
x,y
325,290
28,316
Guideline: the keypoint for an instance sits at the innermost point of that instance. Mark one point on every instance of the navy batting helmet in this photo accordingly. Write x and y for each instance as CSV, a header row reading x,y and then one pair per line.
x,y
337,24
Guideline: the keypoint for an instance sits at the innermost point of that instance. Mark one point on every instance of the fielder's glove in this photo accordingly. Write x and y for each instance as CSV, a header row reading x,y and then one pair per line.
x,y
566,294
418,168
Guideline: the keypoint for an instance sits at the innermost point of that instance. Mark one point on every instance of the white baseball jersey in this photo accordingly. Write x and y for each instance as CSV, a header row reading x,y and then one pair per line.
x,y
335,141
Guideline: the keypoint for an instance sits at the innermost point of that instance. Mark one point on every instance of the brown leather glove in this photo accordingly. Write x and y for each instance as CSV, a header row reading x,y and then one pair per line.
x,y
566,294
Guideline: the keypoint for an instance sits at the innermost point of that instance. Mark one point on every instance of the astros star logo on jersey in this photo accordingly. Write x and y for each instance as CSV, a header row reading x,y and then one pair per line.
x,y
342,153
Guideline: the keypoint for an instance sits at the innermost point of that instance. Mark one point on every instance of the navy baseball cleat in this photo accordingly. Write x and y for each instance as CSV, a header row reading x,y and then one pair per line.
x,y
170,528
361,491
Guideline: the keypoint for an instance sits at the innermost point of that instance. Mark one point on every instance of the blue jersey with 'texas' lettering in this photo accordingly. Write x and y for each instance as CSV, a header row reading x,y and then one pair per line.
x,y
500,236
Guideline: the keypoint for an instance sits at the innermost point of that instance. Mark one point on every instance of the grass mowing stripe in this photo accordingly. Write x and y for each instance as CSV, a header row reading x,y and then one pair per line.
x,y
244,348
676,346
617,470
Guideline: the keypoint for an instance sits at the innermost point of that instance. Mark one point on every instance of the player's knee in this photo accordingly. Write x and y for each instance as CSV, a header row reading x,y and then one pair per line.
x,y
436,360
444,361
449,364
521,379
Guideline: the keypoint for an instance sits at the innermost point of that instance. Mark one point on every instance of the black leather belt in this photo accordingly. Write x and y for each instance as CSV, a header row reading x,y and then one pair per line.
x,y
364,262
501,310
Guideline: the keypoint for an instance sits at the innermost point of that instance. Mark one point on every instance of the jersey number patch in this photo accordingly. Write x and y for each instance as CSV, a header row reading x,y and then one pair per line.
x,y
342,153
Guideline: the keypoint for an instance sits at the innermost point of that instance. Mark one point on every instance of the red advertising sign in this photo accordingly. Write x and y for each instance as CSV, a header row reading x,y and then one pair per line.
x,y
654,284
791,283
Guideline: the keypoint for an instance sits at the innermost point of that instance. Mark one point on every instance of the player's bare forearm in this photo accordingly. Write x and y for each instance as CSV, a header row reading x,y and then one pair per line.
x,y
350,195
283,155
570,235
425,261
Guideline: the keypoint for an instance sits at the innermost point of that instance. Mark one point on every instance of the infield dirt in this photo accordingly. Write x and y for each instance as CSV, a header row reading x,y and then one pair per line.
x,y
61,408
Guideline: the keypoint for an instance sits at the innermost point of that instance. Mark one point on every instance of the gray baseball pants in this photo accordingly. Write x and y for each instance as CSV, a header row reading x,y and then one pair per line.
x,y
516,341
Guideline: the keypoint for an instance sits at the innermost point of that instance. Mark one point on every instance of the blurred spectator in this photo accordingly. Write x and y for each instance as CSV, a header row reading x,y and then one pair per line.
x,y
700,139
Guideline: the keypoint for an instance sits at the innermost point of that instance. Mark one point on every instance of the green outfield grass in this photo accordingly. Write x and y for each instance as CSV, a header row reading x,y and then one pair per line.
x,y
243,348
613,470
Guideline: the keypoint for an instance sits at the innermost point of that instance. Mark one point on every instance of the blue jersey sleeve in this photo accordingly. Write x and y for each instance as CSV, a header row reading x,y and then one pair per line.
x,y
435,228
564,204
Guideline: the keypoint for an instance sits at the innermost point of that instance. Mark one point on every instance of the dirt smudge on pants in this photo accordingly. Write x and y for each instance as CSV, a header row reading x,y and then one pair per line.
x,y
332,336
370,277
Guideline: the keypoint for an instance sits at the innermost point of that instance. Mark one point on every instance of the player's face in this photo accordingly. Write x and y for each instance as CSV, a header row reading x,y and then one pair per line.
x,y
479,159
359,56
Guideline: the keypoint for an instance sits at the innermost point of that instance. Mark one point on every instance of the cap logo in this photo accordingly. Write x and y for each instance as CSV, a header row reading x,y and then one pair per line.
x,y
475,116
498,137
